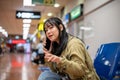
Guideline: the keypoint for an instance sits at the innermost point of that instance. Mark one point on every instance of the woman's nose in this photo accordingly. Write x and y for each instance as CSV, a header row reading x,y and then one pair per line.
x,y
48,31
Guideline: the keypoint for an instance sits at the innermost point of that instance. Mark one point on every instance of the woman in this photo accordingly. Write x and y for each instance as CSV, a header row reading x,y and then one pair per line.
x,y
65,55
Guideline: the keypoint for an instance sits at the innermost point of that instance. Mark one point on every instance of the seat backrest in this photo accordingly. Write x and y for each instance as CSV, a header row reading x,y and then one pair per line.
x,y
107,59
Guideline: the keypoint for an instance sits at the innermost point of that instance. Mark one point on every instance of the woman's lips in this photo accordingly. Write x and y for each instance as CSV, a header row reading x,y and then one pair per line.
x,y
50,36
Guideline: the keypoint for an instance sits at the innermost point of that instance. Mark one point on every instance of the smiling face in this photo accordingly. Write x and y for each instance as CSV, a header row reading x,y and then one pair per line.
x,y
52,32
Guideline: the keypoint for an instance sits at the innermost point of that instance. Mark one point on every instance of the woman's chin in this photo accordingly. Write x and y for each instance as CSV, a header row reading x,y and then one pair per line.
x,y
52,40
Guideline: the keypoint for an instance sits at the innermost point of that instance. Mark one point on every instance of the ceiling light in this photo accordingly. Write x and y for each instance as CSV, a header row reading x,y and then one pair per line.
x,y
27,20
27,3
24,29
2,30
0,27
56,5
26,25
49,14
86,28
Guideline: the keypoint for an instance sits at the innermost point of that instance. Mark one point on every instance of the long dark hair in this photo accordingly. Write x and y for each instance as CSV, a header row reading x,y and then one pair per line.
x,y
63,36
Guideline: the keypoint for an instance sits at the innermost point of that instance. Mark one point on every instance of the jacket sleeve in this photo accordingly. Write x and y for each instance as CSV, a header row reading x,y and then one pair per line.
x,y
74,62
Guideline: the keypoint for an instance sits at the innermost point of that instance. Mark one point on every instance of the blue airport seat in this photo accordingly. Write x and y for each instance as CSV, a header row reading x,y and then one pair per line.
x,y
107,61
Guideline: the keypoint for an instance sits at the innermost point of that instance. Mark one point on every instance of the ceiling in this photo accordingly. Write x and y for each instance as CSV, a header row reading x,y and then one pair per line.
x,y
14,26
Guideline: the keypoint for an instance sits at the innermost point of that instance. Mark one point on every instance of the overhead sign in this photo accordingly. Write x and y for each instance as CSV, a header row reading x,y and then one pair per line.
x,y
44,2
76,12
28,15
40,27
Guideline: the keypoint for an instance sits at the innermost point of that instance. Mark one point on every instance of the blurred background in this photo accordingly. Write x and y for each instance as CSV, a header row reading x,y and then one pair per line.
x,y
94,21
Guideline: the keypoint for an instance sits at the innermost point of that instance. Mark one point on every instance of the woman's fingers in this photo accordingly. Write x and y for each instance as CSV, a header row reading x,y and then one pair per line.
x,y
44,49
50,57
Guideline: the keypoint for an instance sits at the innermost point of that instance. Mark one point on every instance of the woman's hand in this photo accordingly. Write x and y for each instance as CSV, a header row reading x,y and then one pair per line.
x,y
50,57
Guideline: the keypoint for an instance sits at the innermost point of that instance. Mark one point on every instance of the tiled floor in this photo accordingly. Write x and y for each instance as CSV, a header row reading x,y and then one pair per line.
x,y
17,66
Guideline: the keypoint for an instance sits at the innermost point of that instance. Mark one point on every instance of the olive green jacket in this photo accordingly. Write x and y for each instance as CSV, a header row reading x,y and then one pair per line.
x,y
76,61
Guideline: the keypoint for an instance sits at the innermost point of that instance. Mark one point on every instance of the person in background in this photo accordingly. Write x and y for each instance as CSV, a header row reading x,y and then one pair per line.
x,y
0,49
34,57
37,53
40,52
65,54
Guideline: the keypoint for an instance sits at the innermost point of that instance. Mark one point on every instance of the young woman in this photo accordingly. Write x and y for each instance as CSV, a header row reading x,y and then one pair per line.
x,y
65,54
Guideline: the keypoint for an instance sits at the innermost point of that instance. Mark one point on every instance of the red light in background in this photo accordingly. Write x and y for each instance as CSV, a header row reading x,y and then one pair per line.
x,y
17,64
18,41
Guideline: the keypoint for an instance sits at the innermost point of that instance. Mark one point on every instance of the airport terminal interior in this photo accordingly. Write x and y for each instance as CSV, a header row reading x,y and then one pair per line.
x,y
95,22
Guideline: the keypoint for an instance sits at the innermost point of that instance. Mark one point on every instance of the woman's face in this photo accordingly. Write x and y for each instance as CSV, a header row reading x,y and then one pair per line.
x,y
52,33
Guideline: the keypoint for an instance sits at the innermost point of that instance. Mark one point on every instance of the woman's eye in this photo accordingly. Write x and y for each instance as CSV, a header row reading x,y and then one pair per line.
x,y
46,30
50,27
